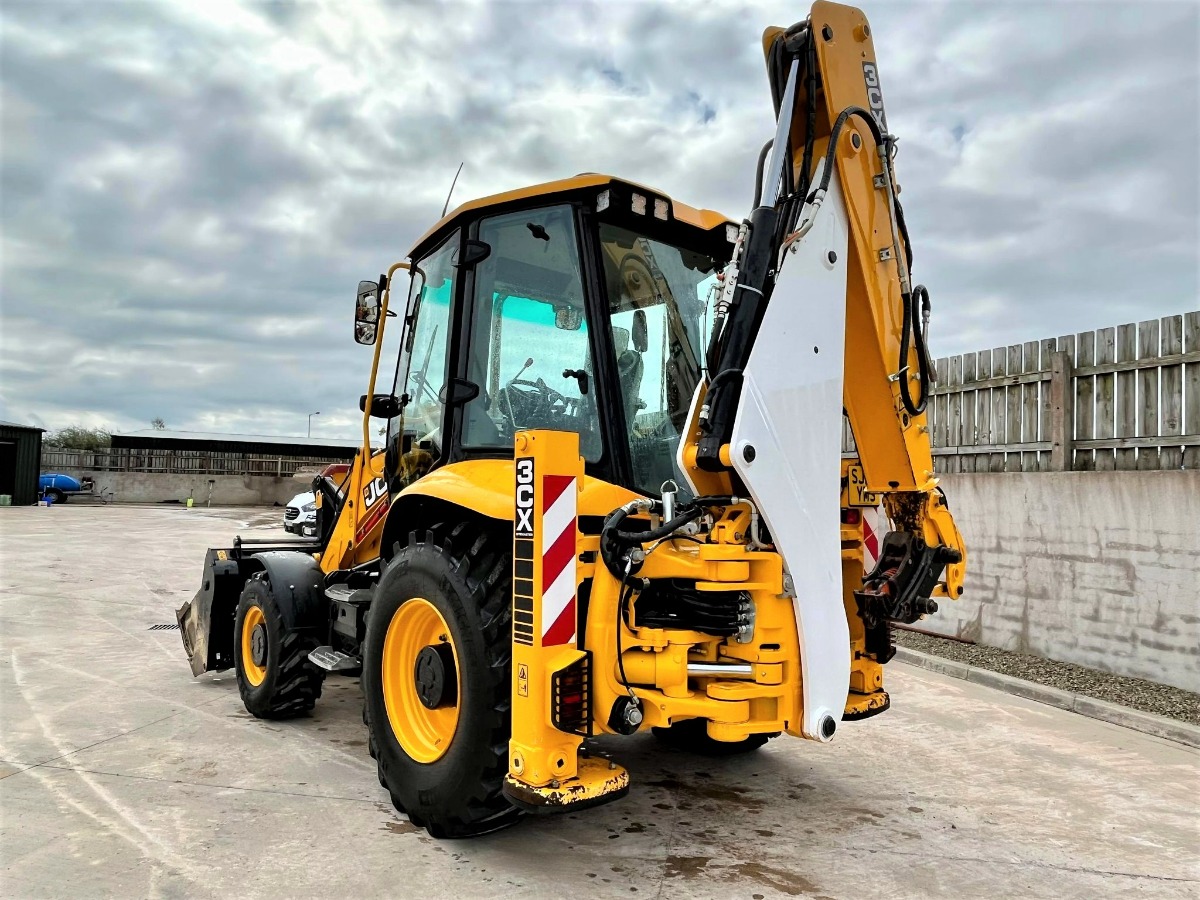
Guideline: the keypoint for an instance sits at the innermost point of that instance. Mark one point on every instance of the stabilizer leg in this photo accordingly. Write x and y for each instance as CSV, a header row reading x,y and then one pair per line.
x,y
551,695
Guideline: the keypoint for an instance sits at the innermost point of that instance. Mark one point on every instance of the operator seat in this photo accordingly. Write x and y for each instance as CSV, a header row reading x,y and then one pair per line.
x,y
630,365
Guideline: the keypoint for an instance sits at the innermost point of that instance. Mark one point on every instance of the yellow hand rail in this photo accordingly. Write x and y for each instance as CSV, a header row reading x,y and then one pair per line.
x,y
383,309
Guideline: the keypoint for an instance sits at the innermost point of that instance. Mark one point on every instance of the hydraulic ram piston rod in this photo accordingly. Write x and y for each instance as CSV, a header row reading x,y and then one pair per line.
x,y
729,671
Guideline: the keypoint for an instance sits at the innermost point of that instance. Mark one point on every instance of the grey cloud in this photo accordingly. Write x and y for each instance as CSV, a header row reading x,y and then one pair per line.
x,y
194,199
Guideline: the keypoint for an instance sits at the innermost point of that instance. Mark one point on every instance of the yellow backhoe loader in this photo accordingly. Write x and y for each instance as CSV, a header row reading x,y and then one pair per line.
x,y
612,496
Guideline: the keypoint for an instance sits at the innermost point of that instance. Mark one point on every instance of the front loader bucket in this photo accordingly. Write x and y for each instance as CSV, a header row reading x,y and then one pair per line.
x,y
206,623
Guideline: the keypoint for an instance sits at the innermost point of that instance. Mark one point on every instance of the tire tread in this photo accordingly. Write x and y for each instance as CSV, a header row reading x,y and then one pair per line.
x,y
298,683
479,555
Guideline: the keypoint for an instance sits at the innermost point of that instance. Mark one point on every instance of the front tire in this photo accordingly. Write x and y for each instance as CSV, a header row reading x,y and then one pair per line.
x,y
437,679
274,675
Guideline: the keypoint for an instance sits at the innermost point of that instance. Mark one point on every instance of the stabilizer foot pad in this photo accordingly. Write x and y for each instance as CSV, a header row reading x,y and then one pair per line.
x,y
863,706
595,784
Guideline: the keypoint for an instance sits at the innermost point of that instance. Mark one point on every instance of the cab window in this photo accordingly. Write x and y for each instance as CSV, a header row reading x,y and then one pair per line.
x,y
424,354
657,298
530,351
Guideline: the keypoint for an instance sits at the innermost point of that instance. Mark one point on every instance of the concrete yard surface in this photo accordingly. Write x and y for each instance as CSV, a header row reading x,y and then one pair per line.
x,y
122,775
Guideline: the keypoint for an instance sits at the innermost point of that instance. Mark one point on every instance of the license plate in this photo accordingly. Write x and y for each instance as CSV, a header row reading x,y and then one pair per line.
x,y
856,492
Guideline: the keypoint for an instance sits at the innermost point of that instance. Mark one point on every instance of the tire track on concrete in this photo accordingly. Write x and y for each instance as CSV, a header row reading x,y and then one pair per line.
x,y
314,748
212,785
126,825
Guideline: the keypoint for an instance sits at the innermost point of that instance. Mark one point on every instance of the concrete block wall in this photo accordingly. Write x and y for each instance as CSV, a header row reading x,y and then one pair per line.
x,y
227,490
1096,568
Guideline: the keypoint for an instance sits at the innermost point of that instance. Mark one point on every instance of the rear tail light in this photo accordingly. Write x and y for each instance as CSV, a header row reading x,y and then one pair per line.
x,y
570,689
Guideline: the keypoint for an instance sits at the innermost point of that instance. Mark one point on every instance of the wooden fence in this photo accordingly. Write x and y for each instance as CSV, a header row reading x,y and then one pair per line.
x,y
177,462
1117,398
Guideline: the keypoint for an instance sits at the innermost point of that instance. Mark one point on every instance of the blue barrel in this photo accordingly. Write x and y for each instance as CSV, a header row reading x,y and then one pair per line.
x,y
61,482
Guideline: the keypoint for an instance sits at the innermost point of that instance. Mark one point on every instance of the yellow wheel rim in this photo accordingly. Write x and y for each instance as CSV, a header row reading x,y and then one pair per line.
x,y
254,673
424,733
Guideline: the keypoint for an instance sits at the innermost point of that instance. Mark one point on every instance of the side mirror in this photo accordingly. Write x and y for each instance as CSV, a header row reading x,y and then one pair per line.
x,y
383,406
458,391
366,312
568,318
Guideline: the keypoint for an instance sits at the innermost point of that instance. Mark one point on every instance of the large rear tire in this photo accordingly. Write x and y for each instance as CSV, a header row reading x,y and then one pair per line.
x,y
274,676
437,664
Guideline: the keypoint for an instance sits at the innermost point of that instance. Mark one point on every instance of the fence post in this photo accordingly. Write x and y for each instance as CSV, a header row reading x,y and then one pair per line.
x,y
1062,413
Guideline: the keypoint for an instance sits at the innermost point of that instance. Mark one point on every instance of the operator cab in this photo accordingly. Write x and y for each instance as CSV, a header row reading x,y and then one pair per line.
x,y
580,305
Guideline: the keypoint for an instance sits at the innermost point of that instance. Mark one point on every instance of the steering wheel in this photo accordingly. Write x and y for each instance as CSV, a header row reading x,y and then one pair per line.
x,y
536,400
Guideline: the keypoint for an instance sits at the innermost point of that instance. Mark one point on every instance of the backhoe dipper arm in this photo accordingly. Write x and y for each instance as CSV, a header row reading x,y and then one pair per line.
x,y
818,316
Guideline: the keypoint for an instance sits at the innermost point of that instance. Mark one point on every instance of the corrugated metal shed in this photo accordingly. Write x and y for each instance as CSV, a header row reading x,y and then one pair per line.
x,y
20,457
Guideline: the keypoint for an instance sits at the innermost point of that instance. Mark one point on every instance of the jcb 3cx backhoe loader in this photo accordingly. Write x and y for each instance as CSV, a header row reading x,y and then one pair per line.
x,y
612,496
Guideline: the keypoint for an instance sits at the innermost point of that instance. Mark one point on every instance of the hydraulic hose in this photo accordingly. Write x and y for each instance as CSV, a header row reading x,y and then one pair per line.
x,y
810,90
615,544
912,330
722,377
908,253
916,305
632,538
758,172
834,134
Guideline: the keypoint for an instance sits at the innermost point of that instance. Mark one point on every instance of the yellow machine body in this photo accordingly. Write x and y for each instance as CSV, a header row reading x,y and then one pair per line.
x,y
671,667
587,655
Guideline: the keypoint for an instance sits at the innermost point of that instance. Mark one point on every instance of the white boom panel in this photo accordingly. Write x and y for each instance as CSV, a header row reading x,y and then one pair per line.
x,y
790,413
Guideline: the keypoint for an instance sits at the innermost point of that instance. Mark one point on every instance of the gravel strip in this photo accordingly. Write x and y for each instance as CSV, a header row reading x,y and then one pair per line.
x,y
1136,693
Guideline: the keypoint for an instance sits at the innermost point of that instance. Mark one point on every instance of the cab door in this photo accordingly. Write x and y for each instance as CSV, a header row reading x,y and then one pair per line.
x,y
417,437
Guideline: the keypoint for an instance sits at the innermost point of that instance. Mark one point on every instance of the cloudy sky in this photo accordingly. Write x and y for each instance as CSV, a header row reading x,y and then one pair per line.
x,y
189,192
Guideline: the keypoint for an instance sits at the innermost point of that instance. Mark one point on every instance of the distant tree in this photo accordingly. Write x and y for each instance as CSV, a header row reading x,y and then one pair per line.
x,y
157,424
78,437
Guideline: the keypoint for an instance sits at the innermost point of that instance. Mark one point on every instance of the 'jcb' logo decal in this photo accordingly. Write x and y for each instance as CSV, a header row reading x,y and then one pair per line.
x,y
524,524
874,94
373,492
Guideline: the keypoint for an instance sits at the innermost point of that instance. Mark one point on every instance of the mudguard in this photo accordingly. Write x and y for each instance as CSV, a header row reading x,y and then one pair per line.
x,y
206,622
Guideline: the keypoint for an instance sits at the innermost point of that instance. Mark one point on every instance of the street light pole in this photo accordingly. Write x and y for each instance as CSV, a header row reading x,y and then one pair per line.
x,y
310,415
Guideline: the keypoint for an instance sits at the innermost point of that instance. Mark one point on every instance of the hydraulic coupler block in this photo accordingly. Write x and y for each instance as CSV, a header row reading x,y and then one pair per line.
x,y
898,589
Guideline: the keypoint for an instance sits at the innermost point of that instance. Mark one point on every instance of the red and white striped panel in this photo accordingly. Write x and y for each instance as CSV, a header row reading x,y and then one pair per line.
x,y
875,526
558,559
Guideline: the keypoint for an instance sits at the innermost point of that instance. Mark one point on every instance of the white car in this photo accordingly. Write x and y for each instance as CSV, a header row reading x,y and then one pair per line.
x,y
300,516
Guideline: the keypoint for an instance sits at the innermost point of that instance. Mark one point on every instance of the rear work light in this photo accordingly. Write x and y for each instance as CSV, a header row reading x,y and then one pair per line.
x,y
570,690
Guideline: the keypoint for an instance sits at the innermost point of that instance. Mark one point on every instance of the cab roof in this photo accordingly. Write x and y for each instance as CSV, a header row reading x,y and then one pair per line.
x,y
704,219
